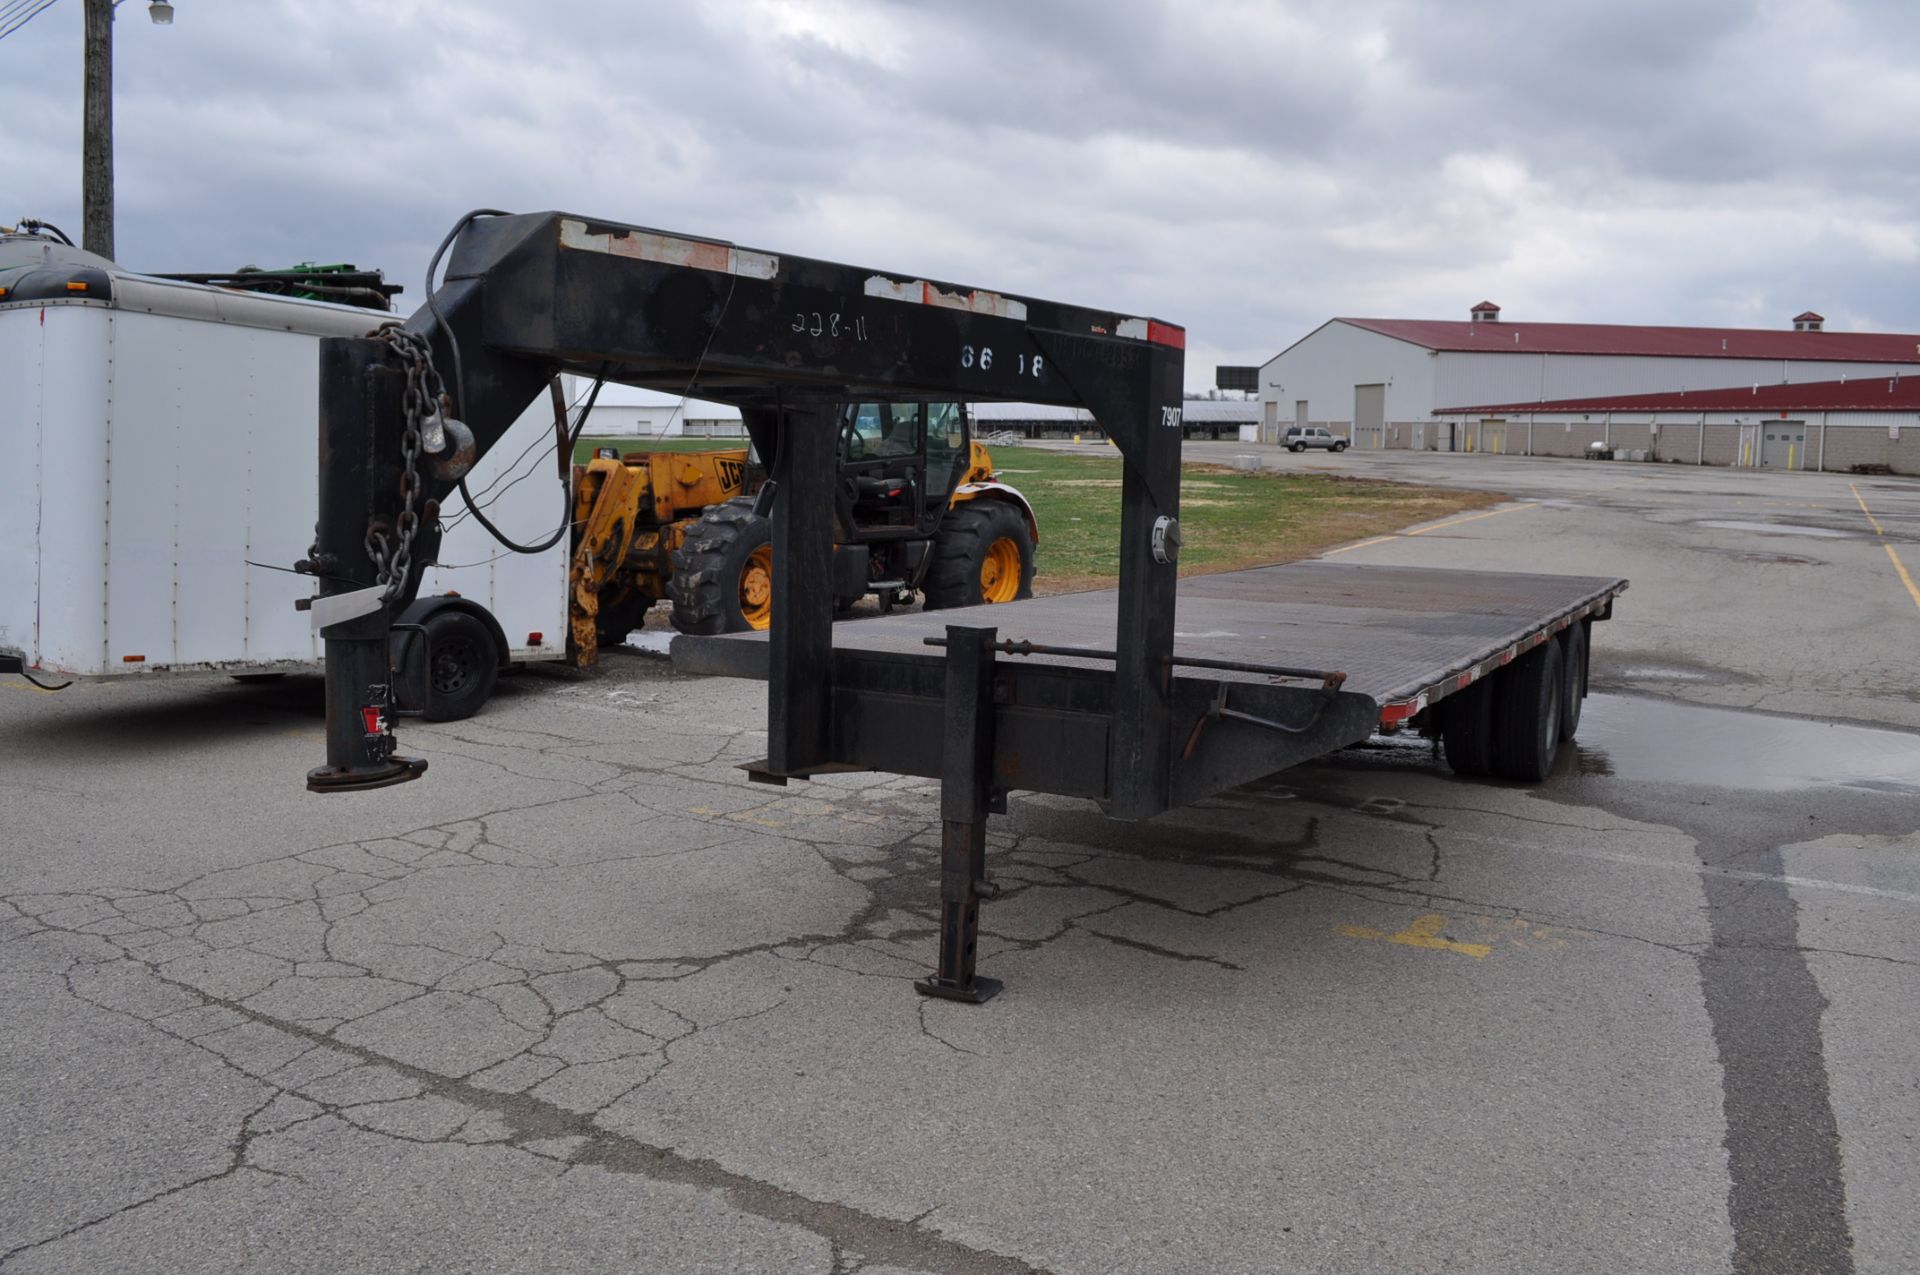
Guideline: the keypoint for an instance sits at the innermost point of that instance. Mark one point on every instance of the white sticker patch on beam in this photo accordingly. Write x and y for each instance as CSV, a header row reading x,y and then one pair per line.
x,y
671,250
920,292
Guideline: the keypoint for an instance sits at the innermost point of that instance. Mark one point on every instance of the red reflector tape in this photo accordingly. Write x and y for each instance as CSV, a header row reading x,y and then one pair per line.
x,y
1166,334
535,639
375,720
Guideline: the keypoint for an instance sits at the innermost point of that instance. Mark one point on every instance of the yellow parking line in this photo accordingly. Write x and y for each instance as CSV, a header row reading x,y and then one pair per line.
x,y
1377,540
1913,590
1423,931
1455,522
1421,531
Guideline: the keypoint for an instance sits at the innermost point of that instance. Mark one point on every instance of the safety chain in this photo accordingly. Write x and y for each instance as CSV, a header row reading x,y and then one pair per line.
x,y
426,407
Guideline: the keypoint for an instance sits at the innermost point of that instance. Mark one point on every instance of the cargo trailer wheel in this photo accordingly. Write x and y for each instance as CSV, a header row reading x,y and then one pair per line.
x,y
983,553
1573,672
1526,714
462,662
723,572
1466,733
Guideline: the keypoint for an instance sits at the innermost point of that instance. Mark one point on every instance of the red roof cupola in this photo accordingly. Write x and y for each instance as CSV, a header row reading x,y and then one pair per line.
x,y
1808,321
1486,312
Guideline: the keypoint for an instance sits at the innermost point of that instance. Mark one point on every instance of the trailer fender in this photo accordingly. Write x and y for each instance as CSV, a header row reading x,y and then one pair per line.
x,y
421,608
999,491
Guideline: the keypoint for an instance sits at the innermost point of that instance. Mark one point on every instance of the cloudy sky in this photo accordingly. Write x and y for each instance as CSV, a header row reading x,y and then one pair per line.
x,y
1245,169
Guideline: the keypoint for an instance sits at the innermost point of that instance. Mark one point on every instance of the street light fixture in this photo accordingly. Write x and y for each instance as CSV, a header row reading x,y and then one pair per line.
x,y
161,12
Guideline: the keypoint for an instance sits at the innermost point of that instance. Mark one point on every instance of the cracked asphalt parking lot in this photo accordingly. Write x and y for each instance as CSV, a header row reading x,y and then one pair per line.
x,y
584,999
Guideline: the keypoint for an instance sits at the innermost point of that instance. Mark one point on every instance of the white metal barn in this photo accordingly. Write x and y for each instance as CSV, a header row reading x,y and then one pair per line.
x,y
1384,382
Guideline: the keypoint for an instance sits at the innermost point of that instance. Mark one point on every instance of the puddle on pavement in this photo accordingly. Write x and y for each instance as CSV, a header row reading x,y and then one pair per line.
x,y
1635,737
1778,529
1664,741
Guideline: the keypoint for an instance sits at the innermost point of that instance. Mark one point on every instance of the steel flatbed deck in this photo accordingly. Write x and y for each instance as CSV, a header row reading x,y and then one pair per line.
x,y
1406,637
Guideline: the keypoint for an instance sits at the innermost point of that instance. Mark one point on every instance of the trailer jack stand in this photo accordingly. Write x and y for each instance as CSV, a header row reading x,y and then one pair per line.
x,y
966,783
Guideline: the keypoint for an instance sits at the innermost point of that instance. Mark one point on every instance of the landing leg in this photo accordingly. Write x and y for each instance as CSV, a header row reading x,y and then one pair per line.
x,y
965,784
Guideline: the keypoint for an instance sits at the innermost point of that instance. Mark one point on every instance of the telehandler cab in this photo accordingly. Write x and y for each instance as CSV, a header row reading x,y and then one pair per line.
x,y
917,509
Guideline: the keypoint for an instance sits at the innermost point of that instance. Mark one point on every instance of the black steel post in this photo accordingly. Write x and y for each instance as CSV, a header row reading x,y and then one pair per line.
x,y
1142,754
965,785
800,654
360,466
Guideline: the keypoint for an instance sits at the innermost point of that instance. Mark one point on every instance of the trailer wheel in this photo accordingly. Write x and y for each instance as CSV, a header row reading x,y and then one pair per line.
x,y
1526,714
462,662
983,552
723,572
1466,732
1573,685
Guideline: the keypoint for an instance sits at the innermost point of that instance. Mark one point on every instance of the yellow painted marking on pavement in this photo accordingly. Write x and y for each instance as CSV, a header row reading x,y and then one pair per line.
x,y
736,816
1421,531
1913,590
42,690
1455,522
1422,931
1377,540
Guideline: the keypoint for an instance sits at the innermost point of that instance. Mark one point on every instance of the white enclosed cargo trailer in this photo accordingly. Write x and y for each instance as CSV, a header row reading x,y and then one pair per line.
x,y
157,450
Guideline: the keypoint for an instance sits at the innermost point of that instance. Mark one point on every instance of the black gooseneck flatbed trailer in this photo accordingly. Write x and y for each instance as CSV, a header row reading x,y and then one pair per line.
x,y
1104,695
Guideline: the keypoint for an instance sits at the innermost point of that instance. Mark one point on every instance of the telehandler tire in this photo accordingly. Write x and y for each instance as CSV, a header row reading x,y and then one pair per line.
x,y
723,572
983,552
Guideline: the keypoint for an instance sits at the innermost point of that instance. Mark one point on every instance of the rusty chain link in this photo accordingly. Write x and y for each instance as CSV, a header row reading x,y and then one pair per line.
x,y
426,408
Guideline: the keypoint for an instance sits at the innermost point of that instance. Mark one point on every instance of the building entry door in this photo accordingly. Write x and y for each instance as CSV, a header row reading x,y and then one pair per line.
x,y
1369,415
1783,445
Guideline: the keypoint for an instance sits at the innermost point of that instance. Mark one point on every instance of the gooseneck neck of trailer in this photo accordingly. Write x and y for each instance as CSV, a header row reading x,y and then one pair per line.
x,y
786,339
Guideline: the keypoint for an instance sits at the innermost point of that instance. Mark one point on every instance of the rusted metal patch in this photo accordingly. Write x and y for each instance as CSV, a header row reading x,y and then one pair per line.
x,y
671,250
920,292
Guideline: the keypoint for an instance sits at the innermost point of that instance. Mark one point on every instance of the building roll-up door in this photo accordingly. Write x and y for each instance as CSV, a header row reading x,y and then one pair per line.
x,y
1783,445
1369,415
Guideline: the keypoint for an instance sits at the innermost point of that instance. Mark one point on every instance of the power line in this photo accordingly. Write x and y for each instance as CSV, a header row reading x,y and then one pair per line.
x,y
40,7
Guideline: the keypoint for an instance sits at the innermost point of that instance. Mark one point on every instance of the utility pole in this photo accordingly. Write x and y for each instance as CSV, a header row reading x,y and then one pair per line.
x,y
96,181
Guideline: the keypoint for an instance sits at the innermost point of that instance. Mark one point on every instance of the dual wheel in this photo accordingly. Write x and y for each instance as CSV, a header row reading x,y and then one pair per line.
x,y
1511,725
723,571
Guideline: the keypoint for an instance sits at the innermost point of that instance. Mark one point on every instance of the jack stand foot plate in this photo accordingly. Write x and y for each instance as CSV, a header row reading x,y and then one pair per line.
x,y
397,771
979,991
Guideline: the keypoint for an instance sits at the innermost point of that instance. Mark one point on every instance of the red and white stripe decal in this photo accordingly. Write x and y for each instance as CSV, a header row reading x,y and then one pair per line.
x,y
1152,330
671,250
920,292
1394,713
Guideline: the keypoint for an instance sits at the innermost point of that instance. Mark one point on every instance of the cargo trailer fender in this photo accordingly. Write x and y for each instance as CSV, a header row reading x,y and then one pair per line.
x,y
423,608
412,670
1003,492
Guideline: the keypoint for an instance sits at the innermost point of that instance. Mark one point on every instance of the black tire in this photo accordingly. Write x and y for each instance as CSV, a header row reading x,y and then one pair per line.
x,y
462,663
1339,447
962,548
709,566
1296,447
1466,731
1526,715
1573,674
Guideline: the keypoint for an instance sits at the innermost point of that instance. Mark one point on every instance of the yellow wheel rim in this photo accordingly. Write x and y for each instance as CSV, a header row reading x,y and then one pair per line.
x,y
756,588
1000,571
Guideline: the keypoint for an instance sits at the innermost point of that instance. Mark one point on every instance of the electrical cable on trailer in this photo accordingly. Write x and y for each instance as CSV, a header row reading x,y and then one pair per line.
x,y
459,391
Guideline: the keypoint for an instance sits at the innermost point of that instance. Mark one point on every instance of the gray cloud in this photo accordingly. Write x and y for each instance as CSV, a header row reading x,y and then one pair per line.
x,y
1247,169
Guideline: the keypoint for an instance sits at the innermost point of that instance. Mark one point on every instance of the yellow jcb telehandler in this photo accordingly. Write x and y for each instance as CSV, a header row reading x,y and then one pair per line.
x,y
918,510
